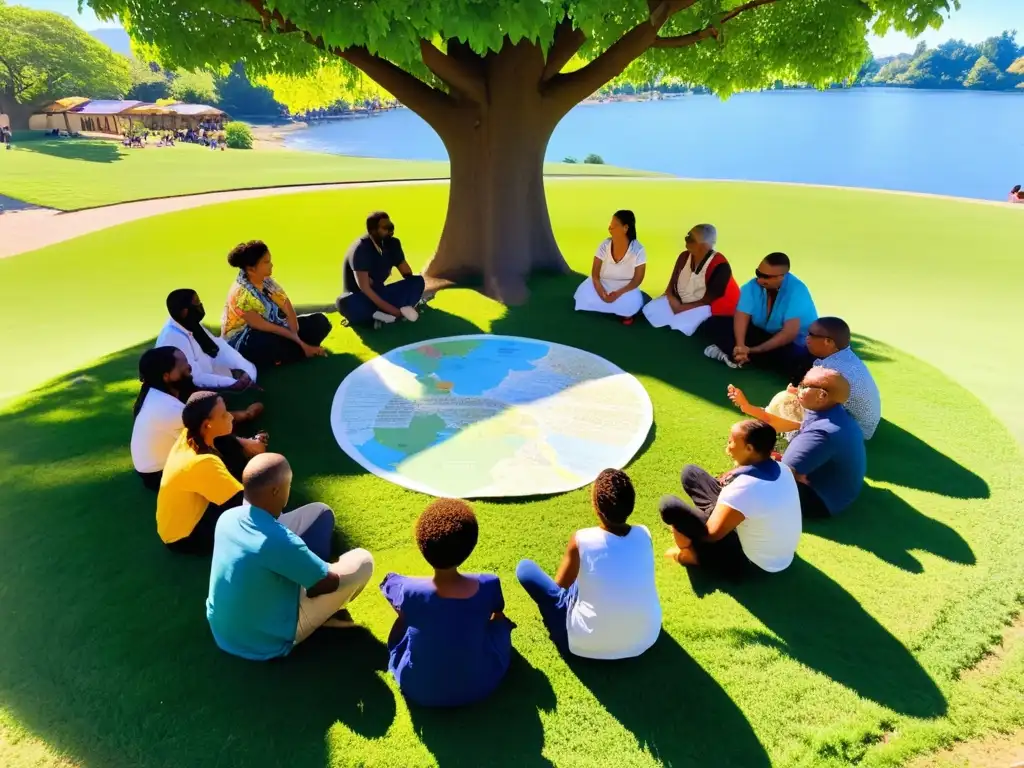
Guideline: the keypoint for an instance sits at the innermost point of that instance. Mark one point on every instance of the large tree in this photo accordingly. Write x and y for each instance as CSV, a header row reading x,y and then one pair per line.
x,y
44,56
490,77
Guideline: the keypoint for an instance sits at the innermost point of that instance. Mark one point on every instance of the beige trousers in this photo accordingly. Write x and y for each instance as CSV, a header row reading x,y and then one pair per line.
x,y
354,568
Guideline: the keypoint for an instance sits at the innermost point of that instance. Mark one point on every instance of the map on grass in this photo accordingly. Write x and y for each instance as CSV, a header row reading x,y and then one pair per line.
x,y
484,416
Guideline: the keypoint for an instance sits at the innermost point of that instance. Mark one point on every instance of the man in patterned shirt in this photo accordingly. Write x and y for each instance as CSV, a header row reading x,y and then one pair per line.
x,y
828,339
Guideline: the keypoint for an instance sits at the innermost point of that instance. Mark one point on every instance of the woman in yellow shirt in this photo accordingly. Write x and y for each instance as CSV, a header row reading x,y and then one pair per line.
x,y
199,482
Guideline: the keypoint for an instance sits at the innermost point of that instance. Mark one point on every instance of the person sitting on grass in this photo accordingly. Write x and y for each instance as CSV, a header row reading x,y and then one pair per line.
x,y
451,644
617,272
603,602
259,320
271,582
749,516
201,476
828,340
770,327
215,363
368,297
167,382
827,455
701,286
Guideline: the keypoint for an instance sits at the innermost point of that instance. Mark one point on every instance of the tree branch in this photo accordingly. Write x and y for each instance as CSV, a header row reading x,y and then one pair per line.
x,y
681,41
454,73
568,40
576,86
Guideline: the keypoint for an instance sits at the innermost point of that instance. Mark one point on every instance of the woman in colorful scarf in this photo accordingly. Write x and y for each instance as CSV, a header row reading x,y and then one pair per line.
x,y
259,320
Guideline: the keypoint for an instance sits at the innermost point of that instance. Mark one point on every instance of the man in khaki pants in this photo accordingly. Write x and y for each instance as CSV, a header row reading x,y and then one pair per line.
x,y
271,586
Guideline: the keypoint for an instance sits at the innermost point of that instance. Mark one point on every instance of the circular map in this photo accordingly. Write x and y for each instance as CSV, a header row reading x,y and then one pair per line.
x,y
481,415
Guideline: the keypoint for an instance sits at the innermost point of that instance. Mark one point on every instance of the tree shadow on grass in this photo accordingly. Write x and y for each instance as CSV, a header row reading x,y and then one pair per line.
x,y
503,730
89,150
124,670
703,728
821,625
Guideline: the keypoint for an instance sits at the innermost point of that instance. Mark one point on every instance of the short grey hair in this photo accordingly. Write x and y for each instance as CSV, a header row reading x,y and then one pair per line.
x,y
707,234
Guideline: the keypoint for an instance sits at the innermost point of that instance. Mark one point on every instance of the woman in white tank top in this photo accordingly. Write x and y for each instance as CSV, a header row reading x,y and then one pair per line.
x,y
617,272
603,602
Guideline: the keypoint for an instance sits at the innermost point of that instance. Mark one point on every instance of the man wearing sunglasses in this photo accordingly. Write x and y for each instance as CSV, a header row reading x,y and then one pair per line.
x,y
769,329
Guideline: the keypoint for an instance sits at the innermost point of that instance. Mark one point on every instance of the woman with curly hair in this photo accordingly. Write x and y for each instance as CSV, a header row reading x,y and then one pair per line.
x,y
451,644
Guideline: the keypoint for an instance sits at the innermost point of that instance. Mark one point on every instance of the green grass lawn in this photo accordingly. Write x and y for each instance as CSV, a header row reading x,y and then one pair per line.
x,y
859,653
82,173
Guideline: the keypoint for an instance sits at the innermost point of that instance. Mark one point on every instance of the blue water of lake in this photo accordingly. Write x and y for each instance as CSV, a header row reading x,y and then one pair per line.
x,y
961,143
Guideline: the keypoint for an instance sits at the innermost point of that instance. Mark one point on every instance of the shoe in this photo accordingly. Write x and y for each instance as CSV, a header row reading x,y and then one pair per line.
x,y
712,351
382,318
410,314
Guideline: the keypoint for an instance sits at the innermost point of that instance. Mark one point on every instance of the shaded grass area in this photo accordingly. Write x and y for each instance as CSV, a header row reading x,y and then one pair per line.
x,y
70,174
852,655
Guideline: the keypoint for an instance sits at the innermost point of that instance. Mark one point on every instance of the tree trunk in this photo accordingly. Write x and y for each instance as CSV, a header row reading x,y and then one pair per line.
x,y
17,113
497,231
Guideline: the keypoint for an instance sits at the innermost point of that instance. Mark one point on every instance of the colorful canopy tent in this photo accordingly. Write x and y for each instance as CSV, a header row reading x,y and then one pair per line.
x,y
115,117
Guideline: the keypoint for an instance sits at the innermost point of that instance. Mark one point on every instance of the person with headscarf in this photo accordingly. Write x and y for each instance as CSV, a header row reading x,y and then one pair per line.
x,y
701,286
618,270
215,363
259,320
166,378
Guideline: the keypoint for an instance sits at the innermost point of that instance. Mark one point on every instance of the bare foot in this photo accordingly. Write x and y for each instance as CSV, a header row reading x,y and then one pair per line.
x,y
251,413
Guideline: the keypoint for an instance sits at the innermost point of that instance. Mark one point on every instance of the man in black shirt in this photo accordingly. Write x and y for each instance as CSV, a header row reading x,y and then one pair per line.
x,y
368,264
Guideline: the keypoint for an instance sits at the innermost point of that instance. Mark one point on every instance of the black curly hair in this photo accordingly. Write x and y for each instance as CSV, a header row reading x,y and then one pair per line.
x,y
446,533
247,254
614,496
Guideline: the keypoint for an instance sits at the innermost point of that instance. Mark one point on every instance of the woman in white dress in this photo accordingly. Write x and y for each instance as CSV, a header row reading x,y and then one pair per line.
x,y
619,266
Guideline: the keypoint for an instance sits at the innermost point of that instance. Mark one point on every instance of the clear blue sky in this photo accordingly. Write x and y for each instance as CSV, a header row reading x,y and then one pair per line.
x,y
977,20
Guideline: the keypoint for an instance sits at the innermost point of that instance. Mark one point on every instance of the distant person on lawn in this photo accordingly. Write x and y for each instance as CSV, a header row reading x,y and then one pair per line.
x,y
201,476
617,272
215,363
451,644
167,382
367,296
1016,195
603,602
749,516
259,320
827,455
770,327
701,286
271,582
828,341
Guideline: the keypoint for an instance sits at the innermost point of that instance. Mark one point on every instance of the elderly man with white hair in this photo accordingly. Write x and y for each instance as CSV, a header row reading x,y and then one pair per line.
x,y
701,286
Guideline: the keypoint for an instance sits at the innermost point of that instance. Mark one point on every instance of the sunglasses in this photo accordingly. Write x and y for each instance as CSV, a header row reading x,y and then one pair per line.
x,y
689,238
819,336
762,276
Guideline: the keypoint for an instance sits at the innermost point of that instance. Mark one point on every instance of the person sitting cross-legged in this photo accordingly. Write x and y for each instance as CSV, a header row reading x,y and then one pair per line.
x,y
271,585
368,298
751,516
451,644
603,602
215,363
618,270
828,341
769,329
701,286
827,455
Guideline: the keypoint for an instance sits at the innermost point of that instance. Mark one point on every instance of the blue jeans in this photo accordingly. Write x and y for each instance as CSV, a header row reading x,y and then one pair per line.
x,y
554,601
358,309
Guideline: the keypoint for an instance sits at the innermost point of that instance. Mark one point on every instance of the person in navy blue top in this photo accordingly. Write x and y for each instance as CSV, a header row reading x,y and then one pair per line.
x,y
827,455
451,644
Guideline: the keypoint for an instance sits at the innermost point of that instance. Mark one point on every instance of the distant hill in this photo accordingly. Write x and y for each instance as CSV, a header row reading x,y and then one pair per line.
x,y
116,39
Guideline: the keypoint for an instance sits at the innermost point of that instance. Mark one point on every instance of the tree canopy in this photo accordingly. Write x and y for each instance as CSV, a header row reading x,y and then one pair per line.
x,y
44,56
195,87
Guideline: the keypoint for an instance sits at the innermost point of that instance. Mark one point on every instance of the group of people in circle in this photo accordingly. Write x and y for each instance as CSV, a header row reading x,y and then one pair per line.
x,y
274,579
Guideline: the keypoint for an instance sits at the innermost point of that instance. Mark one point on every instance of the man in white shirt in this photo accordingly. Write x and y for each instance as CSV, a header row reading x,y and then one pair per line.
x,y
751,515
215,364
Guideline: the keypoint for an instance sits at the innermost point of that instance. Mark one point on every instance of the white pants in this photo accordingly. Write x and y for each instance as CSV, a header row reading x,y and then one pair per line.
x,y
659,314
627,305
354,568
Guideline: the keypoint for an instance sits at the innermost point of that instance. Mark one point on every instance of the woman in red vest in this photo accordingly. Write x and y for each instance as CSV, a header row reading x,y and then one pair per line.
x,y
701,286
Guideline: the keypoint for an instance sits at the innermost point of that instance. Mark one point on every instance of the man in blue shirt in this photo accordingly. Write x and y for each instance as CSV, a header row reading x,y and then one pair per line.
x,y
367,296
827,455
270,584
769,329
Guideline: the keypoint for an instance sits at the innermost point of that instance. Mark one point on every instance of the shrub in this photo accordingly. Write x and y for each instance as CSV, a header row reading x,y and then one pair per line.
x,y
570,160
239,136
593,159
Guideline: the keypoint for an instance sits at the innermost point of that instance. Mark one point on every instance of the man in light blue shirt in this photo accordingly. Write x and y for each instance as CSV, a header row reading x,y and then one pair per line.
x,y
271,586
769,329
